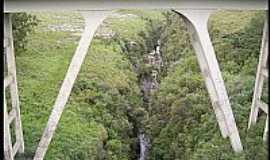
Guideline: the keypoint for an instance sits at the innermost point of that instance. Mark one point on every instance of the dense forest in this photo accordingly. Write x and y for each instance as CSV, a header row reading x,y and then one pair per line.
x,y
121,100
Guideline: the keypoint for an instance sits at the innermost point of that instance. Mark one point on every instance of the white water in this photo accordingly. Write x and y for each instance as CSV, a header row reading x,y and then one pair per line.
x,y
144,144
148,84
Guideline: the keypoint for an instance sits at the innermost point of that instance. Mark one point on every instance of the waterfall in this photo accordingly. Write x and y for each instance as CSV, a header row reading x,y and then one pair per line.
x,y
149,84
144,146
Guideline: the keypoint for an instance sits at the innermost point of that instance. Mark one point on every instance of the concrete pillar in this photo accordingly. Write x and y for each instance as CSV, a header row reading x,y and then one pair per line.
x,y
92,20
260,78
196,21
10,82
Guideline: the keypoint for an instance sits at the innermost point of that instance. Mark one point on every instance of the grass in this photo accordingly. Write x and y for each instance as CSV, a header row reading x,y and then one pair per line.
x,y
42,68
231,21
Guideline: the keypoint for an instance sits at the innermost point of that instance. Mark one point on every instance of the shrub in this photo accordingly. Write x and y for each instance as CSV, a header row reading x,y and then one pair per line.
x,y
23,24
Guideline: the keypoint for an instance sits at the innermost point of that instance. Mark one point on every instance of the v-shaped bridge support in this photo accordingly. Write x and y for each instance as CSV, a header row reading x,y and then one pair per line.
x,y
261,77
92,20
10,83
196,21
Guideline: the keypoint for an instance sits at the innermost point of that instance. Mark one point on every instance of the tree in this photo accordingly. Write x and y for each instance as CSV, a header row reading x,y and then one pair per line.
x,y
23,24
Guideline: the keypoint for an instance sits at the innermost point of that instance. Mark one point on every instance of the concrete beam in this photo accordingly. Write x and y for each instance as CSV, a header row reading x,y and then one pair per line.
x,y
92,20
259,77
196,21
265,133
79,5
8,154
11,68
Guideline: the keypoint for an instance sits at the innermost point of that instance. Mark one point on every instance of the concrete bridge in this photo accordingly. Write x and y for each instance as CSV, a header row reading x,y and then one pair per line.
x,y
195,14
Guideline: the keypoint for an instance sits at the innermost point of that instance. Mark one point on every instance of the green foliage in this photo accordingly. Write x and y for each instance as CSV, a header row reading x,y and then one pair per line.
x,y
182,124
23,24
105,109
242,46
99,119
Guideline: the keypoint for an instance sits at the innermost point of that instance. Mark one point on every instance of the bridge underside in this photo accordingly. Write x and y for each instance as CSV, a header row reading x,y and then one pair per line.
x,y
196,21
84,5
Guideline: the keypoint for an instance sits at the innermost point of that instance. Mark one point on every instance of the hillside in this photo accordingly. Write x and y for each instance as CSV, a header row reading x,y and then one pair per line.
x,y
107,111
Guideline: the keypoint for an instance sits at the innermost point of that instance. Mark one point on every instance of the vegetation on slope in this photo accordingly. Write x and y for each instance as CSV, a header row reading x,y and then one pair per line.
x,y
96,123
182,122
105,109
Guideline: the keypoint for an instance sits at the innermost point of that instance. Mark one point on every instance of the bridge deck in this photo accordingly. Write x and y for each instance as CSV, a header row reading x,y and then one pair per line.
x,y
71,5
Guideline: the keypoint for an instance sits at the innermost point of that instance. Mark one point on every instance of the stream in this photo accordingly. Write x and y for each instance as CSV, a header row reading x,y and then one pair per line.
x,y
144,146
149,84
